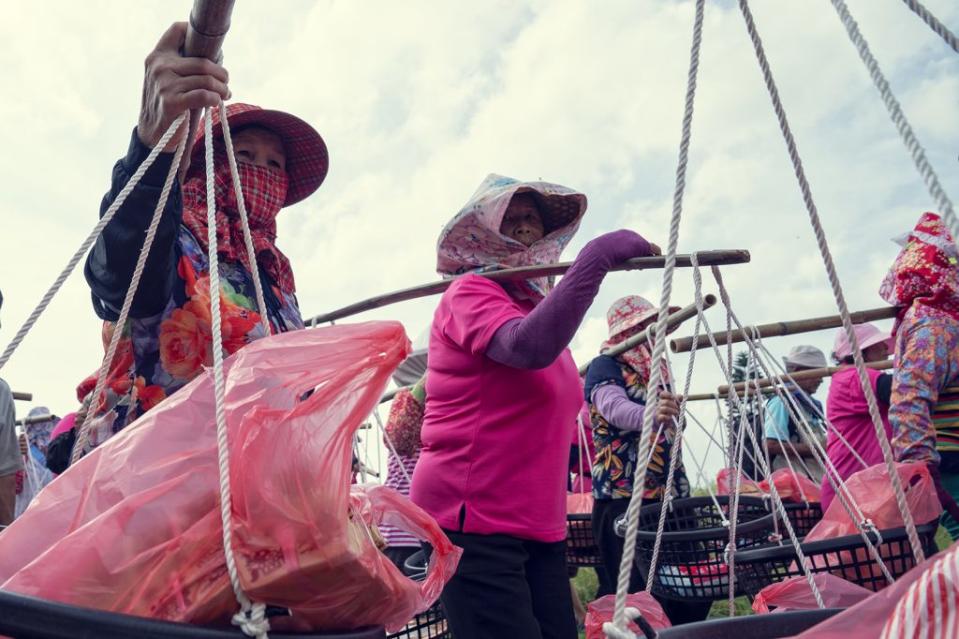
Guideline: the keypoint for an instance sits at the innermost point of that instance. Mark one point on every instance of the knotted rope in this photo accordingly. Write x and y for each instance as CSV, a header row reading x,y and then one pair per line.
x,y
252,616
659,349
834,278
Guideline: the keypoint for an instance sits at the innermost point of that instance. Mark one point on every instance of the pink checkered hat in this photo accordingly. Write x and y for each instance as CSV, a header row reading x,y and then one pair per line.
x,y
307,160
630,311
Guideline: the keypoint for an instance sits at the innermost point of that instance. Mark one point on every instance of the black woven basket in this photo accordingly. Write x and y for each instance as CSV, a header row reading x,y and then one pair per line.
x,y
846,557
431,623
692,563
777,626
803,517
581,548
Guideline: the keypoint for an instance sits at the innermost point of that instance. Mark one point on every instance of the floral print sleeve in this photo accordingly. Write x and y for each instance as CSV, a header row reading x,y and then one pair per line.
x,y
927,351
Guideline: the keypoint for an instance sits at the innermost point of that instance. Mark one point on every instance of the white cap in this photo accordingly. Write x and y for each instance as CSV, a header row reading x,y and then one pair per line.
x,y
805,356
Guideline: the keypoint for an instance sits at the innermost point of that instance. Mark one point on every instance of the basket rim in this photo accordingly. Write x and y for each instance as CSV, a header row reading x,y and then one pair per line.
x,y
786,552
701,534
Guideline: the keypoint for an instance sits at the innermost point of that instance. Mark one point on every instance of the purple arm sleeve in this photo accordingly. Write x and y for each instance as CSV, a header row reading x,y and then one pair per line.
x,y
536,340
616,407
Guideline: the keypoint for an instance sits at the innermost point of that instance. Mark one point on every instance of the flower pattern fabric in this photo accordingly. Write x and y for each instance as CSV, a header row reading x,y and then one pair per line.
x,y
158,355
924,283
617,450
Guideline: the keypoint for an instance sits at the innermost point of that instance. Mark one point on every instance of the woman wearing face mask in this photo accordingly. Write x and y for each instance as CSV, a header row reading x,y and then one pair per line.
x,y
502,394
167,341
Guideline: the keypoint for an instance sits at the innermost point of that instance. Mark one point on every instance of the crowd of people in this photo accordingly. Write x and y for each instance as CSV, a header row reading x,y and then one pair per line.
x,y
481,438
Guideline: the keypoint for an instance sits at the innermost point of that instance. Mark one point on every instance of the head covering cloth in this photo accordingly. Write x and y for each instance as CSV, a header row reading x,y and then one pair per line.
x,y
625,318
925,275
472,241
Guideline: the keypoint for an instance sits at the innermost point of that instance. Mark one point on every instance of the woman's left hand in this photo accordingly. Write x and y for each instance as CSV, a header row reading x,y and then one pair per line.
x,y
667,409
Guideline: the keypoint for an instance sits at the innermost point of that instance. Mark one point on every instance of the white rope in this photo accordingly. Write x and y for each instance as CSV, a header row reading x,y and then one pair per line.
x,y
846,499
652,389
899,119
245,223
252,616
87,243
834,279
938,27
85,421
773,491
389,443
675,454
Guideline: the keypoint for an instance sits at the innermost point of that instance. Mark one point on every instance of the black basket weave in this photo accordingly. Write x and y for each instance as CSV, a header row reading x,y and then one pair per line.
x,y
846,557
581,548
692,562
431,623
803,517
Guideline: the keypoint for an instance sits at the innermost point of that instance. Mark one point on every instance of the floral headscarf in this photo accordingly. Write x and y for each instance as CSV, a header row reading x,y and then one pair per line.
x,y
472,240
625,317
925,275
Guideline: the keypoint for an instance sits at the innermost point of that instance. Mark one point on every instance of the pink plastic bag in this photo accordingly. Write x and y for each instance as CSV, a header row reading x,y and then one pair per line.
x,y
601,610
134,527
872,490
579,503
795,594
791,486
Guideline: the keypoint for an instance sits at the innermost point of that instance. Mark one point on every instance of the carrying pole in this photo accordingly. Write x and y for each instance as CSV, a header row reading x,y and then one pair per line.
x,y
706,258
778,329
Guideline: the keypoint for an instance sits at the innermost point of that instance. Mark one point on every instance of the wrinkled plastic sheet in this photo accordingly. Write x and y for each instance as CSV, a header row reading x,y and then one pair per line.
x,y
795,594
600,611
134,527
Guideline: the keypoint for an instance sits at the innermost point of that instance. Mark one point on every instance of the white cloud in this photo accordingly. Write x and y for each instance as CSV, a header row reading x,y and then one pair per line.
x,y
418,101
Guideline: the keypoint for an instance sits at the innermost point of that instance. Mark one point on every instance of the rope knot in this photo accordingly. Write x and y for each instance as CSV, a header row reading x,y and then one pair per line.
x,y
252,621
867,526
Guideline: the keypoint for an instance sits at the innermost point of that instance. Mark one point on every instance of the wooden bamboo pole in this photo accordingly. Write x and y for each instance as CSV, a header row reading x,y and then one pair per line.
x,y
706,258
675,319
769,382
209,23
777,329
24,397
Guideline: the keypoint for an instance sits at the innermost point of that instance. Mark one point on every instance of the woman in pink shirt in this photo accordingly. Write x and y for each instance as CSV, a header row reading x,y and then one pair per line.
x,y
847,410
502,397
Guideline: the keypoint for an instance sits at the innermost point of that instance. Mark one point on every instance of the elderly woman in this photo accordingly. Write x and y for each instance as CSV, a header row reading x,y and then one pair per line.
x,y
924,403
167,341
616,392
502,394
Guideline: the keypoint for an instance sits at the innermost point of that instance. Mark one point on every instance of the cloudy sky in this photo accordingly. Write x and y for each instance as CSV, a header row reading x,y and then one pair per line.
x,y
418,101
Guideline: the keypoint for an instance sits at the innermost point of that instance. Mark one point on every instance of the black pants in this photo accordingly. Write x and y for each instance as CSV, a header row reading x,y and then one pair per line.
x,y
610,546
509,588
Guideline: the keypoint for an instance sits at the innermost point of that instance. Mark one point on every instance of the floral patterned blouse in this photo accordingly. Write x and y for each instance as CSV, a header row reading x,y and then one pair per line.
x,y
614,466
167,341
927,345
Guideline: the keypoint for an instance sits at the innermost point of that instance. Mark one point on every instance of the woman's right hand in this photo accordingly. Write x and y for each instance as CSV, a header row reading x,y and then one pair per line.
x,y
618,246
173,84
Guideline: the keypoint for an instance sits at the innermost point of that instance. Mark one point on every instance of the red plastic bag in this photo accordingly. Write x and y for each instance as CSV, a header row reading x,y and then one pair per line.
x,y
791,486
134,527
872,490
795,594
601,611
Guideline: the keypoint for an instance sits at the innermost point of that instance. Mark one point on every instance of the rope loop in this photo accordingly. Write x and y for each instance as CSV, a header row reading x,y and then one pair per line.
x,y
252,620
